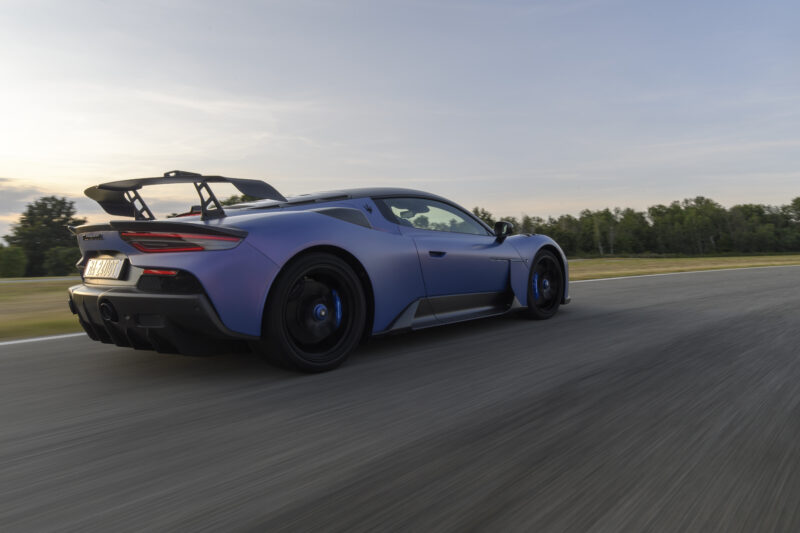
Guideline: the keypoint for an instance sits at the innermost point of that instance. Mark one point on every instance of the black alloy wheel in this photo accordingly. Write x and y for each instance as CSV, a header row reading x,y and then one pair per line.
x,y
315,314
545,286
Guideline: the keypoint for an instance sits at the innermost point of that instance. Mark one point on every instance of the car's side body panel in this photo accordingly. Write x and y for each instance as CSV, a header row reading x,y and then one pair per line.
x,y
459,263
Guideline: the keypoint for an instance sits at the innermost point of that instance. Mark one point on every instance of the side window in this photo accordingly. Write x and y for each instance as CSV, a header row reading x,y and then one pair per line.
x,y
430,215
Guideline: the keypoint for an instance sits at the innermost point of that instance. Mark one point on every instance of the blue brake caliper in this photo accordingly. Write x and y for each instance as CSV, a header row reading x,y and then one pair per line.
x,y
337,304
535,285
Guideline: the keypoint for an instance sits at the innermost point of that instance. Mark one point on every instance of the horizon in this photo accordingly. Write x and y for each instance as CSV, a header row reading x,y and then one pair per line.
x,y
162,206
540,108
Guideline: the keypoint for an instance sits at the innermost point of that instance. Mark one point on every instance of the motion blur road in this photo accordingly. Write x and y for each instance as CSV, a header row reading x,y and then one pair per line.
x,y
655,403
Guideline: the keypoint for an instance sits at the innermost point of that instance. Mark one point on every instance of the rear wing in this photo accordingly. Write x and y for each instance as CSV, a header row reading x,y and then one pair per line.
x,y
122,198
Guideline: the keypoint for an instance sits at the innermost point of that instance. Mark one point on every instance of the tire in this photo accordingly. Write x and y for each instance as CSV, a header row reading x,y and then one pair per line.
x,y
545,286
315,315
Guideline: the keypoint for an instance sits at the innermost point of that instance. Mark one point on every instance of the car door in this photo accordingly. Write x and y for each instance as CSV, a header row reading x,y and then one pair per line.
x,y
457,254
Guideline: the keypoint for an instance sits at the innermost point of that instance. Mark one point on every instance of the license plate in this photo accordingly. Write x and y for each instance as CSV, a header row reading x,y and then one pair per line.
x,y
103,268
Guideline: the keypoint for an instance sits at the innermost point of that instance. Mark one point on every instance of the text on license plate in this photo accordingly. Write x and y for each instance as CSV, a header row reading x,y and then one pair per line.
x,y
103,268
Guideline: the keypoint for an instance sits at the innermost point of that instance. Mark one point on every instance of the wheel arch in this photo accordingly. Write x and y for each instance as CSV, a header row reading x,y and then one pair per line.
x,y
558,255
353,262
561,262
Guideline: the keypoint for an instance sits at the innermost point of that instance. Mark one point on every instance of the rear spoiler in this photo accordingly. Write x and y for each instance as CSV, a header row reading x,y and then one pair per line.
x,y
122,197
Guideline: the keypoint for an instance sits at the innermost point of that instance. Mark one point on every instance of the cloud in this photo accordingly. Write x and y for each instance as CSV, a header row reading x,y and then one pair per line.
x,y
545,106
96,130
13,196
214,105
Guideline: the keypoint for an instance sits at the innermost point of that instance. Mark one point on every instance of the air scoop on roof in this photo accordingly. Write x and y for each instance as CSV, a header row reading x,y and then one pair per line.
x,y
122,197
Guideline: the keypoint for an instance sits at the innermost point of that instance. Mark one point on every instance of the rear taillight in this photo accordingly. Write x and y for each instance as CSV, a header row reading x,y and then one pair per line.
x,y
157,272
150,242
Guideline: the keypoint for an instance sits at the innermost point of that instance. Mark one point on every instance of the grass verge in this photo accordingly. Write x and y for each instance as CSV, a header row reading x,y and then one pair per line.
x,y
39,307
35,308
618,267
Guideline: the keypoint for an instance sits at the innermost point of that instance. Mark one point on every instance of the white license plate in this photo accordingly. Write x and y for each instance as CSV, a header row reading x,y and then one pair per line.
x,y
103,268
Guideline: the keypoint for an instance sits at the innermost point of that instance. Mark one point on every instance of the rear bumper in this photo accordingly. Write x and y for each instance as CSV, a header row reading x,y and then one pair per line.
x,y
168,323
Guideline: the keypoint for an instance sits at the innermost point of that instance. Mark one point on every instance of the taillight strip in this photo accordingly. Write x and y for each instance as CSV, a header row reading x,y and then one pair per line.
x,y
157,242
143,248
197,236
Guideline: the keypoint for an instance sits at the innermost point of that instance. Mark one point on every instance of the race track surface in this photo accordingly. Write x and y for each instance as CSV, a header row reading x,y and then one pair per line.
x,y
668,403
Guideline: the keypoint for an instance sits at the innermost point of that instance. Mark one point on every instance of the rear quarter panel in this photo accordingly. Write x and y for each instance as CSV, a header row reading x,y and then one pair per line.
x,y
236,281
389,258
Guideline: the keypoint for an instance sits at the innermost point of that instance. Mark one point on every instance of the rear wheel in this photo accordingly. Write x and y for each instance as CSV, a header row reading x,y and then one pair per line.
x,y
545,286
315,314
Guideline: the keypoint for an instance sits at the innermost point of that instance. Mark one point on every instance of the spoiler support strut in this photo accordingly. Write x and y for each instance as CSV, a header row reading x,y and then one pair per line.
x,y
140,213
205,212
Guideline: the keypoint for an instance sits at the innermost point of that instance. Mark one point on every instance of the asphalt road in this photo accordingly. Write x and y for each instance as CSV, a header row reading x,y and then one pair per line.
x,y
667,403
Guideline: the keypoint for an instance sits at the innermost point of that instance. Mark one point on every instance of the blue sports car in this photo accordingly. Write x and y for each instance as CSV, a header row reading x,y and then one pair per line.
x,y
304,279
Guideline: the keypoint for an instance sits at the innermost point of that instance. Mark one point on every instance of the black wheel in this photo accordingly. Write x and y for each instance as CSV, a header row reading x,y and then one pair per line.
x,y
315,314
545,286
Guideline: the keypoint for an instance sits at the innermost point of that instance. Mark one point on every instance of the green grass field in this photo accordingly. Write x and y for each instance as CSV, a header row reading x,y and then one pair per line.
x,y
614,267
35,308
40,307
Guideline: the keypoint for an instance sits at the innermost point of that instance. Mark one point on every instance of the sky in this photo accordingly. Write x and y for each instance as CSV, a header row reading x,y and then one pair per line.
x,y
541,107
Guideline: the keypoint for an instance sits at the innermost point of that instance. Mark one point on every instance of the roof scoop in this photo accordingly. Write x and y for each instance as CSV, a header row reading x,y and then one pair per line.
x,y
122,197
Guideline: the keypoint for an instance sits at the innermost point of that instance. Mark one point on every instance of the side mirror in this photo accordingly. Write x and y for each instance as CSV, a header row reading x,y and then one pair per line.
x,y
503,229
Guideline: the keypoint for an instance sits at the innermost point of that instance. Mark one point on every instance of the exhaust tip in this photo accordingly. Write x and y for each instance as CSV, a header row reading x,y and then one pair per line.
x,y
108,312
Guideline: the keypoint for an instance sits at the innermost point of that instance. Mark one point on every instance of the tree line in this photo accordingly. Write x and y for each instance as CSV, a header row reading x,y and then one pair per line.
x,y
40,245
696,226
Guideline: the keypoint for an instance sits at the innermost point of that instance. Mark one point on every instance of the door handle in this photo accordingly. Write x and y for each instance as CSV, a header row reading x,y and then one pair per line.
x,y
433,253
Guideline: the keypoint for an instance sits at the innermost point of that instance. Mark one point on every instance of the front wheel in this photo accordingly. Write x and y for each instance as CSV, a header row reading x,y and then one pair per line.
x,y
545,286
315,315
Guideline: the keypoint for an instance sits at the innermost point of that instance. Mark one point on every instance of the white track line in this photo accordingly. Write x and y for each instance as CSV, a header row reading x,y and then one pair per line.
x,y
679,273
37,339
